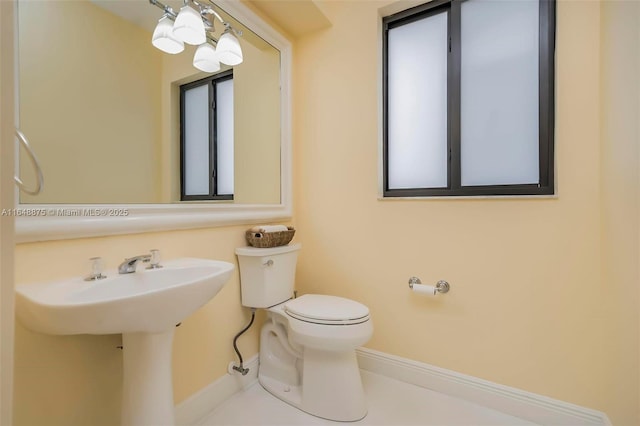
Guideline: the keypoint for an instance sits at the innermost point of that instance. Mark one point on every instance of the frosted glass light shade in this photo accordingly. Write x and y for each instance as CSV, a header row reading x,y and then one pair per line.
x,y
205,58
228,49
164,39
189,26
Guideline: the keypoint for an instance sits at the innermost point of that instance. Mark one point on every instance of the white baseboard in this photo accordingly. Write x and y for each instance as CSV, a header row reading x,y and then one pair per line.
x,y
525,405
197,406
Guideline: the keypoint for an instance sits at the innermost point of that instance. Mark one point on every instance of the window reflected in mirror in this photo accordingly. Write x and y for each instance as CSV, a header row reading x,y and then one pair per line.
x,y
206,138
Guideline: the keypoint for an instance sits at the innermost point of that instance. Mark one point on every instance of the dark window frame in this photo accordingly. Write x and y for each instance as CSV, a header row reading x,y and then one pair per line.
x,y
211,82
546,112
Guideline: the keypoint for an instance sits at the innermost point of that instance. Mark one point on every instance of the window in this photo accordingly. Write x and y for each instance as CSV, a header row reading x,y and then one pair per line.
x,y
468,103
206,138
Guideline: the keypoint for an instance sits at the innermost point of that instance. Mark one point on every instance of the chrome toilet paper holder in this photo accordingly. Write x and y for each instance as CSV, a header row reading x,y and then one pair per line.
x,y
441,286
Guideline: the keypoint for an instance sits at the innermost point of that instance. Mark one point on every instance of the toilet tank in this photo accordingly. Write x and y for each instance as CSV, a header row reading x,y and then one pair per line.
x,y
267,275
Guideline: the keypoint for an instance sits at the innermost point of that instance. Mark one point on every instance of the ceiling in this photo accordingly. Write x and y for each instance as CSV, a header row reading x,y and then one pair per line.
x,y
296,17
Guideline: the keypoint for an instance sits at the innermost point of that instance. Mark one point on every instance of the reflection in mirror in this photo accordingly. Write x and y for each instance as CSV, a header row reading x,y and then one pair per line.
x,y
101,106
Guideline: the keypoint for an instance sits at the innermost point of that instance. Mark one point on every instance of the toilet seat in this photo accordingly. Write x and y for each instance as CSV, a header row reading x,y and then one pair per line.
x,y
326,310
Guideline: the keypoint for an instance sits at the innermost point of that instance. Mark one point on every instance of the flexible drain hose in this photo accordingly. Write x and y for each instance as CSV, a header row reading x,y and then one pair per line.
x,y
240,368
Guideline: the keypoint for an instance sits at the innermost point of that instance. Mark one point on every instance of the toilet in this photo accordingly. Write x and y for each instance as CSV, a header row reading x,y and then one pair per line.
x,y
307,344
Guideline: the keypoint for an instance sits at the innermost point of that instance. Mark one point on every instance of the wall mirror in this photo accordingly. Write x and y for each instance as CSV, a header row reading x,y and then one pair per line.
x,y
101,107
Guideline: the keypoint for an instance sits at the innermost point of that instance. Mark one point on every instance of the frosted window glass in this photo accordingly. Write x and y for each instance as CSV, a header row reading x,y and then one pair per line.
x,y
196,141
224,113
499,92
417,109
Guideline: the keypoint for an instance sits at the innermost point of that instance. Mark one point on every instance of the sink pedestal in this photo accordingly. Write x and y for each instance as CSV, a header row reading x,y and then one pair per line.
x,y
147,394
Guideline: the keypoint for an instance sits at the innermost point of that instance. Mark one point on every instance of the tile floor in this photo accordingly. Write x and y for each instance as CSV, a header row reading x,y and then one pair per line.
x,y
391,403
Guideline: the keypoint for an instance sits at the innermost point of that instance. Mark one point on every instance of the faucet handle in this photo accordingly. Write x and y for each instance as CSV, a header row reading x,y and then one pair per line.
x,y
155,260
96,269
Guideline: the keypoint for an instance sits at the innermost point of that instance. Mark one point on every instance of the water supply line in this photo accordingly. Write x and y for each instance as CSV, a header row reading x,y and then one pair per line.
x,y
240,368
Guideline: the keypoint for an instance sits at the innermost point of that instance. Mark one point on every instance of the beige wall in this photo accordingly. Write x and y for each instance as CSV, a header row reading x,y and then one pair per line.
x,y
76,380
72,110
257,132
620,199
528,306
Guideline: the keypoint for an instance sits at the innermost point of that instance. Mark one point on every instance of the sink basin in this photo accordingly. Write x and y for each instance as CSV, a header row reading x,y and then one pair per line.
x,y
145,307
150,300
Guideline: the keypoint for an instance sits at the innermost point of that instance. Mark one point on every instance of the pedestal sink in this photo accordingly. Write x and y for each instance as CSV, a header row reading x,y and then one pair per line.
x,y
145,307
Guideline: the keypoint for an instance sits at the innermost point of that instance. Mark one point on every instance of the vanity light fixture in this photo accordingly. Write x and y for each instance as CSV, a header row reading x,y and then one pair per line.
x,y
193,26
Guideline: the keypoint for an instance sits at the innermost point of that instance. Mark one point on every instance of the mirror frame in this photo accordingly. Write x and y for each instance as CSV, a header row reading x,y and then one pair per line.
x,y
44,225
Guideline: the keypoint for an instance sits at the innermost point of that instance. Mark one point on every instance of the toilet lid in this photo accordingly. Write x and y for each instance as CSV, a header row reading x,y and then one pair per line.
x,y
321,309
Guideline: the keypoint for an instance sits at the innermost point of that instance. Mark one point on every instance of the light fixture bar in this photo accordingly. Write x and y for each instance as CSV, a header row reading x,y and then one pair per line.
x,y
166,8
210,10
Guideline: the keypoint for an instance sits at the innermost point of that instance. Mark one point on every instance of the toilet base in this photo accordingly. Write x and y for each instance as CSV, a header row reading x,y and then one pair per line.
x,y
331,387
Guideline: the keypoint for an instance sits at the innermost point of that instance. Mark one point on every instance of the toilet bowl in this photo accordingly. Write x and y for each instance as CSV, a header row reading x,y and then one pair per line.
x,y
307,344
320,374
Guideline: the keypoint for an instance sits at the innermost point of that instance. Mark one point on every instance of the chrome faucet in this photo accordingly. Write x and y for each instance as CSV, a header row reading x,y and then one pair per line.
x,y
129,265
